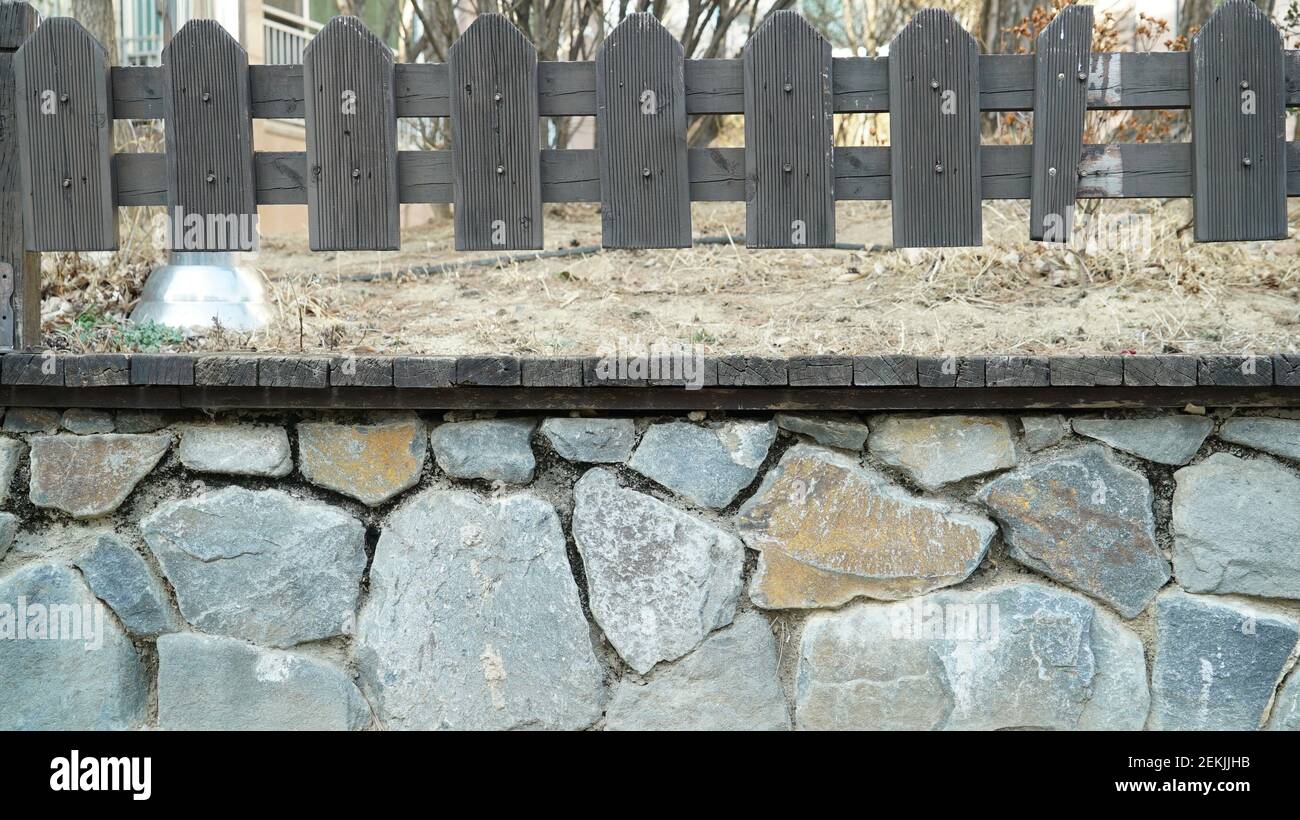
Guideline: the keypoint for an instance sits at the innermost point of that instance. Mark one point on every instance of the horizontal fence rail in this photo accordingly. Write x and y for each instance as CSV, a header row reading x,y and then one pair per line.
x,y
1237,81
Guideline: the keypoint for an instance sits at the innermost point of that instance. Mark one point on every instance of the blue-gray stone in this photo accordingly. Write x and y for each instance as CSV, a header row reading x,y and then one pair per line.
x,y
829,430
489,449
1236,527
659,580
120,578
1285,716
263,566
1019,655
11,455
709,465
1042,432
65,664
87,421
8,532
210,683
938,450
1281,437
1085,520
591,441
32,420
729,684
1163,439
1217,662
474,621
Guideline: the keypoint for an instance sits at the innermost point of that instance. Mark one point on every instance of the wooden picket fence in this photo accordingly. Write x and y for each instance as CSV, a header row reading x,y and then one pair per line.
x,y
1237,80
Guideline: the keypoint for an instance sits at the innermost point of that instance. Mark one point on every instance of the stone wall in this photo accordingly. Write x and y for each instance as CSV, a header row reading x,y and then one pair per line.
x,y
911,571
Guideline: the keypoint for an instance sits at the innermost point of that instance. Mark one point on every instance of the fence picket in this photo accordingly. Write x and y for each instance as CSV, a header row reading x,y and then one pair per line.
x,y
209,135
496,137
645,194
1061,59
789,136
65,125
934,133
1238,127
352,198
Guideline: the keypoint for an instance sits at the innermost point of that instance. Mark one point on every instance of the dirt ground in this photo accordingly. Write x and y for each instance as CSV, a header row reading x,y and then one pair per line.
x,y
1140,285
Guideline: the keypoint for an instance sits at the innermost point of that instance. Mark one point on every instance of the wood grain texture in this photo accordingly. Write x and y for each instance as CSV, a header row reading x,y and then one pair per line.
x,y
935,167
299,372
1087,371
1017,371
97,370
361,371
551,372
789,136
884,370
20,269
352,201
226,371
752,371
34,369
65,131
495,138
1235,371
209,140
1286,369
424,371
1238,126
162,368
1176,370
820,371
1060,99
489,371
645,194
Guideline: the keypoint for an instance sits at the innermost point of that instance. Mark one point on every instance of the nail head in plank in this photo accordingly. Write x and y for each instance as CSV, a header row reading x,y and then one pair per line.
x,y
1236,371
209,138
361,371
226,371
789,136
1238,126
934,134
1061,64
293,371
1160,371
820,371
34,369
1087,371
488,371
551,372
162,368
97,370
65,127
352,198
884,371
495,138
645,195
1017,371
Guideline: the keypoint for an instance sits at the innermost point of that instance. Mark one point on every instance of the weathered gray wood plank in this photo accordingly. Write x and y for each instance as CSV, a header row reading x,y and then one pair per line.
x,y
97,370
352,200
34,369
20,270
1017,371
1087,371
884,370
162,368
226,371
209,139
752,371
971,371
65,123
1060,100
1235,371
1238,126
645,195
424,371
495,138
361,371
293,371
551,372
1175,370
935,169
1286,369
789,136
820,371
488,371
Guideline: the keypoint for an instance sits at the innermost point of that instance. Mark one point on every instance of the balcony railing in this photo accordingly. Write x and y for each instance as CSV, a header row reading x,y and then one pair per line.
x,y
285,36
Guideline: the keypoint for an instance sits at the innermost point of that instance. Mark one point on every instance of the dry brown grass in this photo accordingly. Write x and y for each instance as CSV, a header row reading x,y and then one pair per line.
x,y
1009,296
